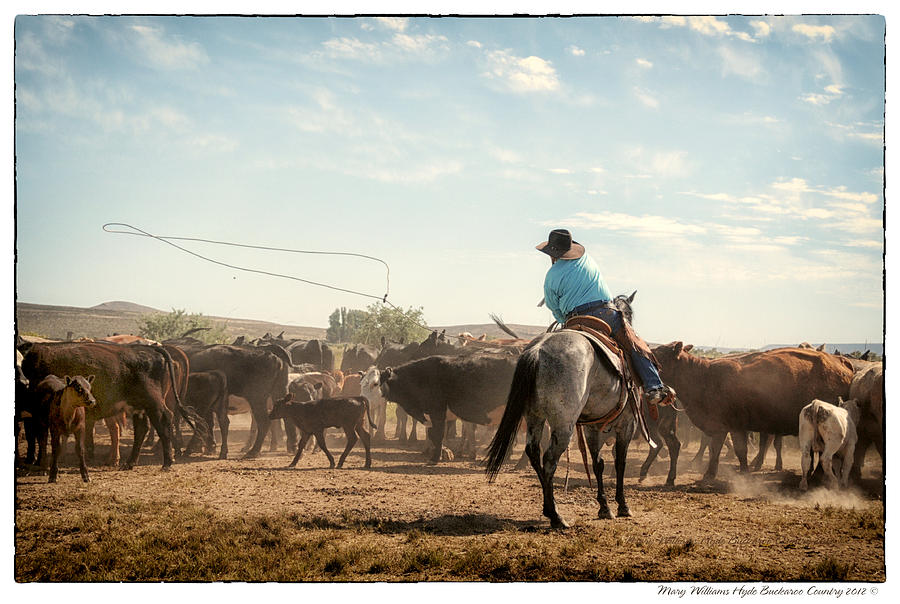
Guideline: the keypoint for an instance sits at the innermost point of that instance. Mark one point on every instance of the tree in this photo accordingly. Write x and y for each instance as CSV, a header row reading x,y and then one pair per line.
x,y
376,322
343,323
164,326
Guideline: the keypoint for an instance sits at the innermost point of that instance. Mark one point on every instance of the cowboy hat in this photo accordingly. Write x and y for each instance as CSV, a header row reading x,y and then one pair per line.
x,y
560,245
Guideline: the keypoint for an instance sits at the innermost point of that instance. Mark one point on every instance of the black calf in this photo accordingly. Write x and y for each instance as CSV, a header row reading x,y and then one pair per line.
x,y
312,417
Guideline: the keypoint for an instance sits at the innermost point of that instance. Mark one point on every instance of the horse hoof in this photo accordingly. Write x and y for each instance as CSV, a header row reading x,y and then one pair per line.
x,y
670,482
641,478
558,523
624,512
604,514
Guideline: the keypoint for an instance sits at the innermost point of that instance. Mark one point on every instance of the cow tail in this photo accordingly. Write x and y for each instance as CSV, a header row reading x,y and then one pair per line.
x,y
521,396
197,423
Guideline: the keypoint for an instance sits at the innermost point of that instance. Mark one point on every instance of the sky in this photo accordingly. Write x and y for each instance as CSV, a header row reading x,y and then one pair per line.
x,y
728,168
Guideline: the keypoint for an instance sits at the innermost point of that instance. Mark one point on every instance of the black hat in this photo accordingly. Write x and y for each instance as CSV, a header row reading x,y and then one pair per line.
x,y
560,245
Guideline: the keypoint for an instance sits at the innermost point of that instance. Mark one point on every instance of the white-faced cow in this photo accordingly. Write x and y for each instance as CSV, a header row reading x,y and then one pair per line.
x,y
830,431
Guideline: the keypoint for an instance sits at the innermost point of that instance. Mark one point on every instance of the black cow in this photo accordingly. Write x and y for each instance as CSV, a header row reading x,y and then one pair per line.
x,y
358,357
315,352
470,386
312,417
135,376
207,393
254,373
394,354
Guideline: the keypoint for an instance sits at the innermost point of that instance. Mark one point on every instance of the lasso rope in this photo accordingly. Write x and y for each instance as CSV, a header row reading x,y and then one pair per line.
x,y
168,240
110,228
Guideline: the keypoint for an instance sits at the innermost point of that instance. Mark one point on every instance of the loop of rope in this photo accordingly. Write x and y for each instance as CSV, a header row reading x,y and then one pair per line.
x,y
108,227
168,240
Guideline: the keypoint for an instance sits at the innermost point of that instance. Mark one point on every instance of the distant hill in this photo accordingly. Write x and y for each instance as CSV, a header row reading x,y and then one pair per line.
x,y
64,322
124,307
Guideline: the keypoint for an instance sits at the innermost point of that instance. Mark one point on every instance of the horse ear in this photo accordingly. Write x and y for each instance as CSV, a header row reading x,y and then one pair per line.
x,y
688,348
90,378
678,347
68,380
631,297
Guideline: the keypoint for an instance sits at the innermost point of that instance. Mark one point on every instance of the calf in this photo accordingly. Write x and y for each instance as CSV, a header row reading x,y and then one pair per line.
x,y
207,393
371,389
312,417
65,401
828,430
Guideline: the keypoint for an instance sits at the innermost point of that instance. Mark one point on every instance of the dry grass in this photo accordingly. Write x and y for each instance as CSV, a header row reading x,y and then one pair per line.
x,y
234,520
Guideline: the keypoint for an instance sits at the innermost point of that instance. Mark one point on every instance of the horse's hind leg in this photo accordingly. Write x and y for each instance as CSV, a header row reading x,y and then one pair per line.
x,y
622,442
592,439
545,471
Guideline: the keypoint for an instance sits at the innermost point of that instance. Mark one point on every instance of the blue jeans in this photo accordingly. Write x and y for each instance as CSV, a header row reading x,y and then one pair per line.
x,y
644,367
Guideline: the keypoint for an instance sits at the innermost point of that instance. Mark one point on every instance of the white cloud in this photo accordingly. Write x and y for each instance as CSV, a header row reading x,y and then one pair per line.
x,y
575,51
166,52
419,43
762,28
393,23
740,63
644,63
521,74
561,171
506,156
352,48
866,132
646,98
813,32
706,25
474,43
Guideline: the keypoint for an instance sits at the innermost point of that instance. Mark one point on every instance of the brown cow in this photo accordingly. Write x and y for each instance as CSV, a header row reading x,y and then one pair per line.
x,y
761,392
134,376
867,388
115,424
351,385
65,401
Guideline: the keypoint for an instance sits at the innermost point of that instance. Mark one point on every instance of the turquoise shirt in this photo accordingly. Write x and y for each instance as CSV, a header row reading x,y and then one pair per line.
x,y
571,283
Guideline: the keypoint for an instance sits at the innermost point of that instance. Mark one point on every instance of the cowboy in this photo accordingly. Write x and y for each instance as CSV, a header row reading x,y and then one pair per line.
x,y
574,286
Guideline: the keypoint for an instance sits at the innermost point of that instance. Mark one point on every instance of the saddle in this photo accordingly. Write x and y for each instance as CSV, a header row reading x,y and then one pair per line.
x,y
599,333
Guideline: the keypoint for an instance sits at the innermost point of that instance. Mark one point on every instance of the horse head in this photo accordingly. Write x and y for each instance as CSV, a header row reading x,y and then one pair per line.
x,y
623,305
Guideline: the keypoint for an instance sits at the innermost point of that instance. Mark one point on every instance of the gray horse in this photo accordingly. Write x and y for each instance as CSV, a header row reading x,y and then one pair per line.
x,y
560,380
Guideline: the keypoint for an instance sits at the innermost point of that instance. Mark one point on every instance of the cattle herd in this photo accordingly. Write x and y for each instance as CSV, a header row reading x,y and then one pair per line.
x,y
833,403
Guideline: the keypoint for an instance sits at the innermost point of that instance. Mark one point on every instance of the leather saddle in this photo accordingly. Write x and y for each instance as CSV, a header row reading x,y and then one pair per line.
x,y
599,333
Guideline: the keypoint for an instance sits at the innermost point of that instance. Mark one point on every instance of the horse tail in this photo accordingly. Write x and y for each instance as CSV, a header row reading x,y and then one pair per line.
x,y
521,396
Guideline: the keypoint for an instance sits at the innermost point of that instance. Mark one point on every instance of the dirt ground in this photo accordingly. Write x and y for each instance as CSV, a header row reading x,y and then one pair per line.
x,y
741,527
